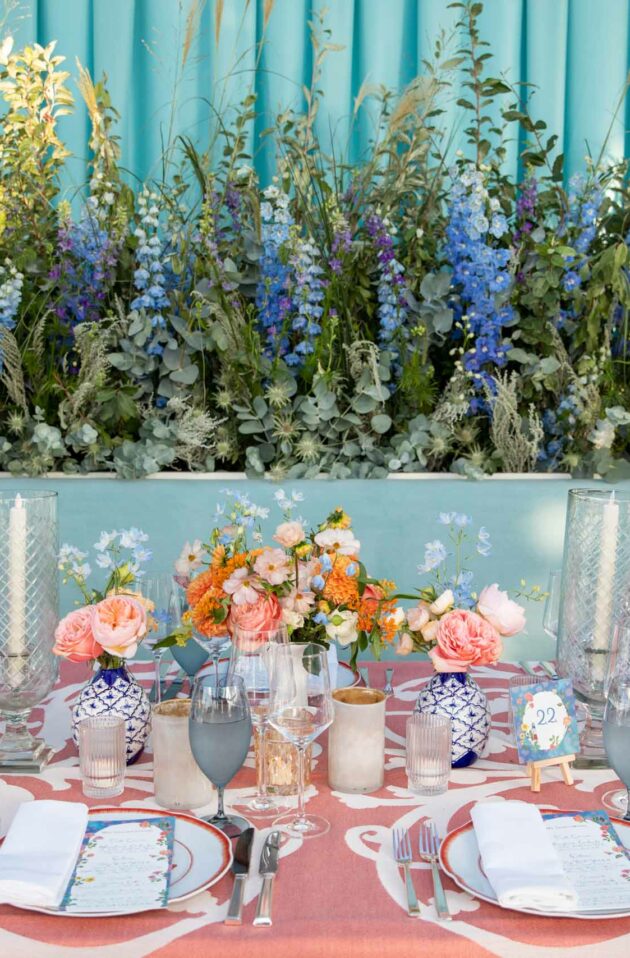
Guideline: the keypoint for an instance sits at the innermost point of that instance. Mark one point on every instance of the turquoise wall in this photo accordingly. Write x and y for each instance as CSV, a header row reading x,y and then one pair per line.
x,y
392,518
574,53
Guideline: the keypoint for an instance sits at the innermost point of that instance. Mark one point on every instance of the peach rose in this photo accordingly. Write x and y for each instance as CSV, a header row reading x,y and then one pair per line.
x,y
372,595
289,534
429,630
263,615
463,639
74,639
506,616
405,645
417,617
119,622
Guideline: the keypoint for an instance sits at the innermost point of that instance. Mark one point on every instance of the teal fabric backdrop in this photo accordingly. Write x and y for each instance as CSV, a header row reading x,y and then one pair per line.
x,y
574,51
392,518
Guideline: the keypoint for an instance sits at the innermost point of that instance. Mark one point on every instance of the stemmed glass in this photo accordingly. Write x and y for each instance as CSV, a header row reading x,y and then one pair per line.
x,y
163,593
252,660
301,708
214,645
220,729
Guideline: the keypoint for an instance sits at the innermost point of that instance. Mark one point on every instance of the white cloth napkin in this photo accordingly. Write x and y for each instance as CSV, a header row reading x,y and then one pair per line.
x,y
40,852
519,859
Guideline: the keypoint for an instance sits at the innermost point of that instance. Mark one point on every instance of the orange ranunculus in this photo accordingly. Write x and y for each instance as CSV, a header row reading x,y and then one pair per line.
x,y
340,588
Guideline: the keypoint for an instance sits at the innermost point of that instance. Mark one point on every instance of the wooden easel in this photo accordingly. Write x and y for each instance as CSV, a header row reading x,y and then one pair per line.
x,y
563,761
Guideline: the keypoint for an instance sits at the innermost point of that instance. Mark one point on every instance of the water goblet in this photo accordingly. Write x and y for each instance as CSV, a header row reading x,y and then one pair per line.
x,y
252,659
220,729
301,708
617,738
551,613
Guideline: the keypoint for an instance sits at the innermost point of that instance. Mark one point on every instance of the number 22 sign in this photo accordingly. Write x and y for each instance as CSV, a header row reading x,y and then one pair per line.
x,y
545,724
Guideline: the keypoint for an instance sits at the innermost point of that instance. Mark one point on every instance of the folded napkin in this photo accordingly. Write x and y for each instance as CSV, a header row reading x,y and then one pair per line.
x,y
40,852
519,859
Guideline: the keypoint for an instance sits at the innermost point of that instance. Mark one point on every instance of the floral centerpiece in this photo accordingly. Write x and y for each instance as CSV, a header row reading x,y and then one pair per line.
x,y
107,630
312,581
460,629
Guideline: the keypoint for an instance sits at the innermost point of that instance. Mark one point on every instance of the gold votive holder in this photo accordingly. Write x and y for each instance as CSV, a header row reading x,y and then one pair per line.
x,y
282,764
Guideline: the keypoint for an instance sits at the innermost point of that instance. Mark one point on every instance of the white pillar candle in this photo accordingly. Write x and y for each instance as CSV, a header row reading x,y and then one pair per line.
x,y
604,588
356,741
16,645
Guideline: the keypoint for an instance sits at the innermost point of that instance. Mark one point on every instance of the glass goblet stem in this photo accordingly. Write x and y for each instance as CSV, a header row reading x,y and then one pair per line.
x,y
260,732
157,661
220,815
300,821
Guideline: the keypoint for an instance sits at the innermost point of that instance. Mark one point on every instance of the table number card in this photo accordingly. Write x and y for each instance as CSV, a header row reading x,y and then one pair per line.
x,y
122,866
545,722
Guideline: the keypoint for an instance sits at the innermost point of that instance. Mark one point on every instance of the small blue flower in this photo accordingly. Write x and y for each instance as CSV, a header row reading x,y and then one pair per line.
x,y
326,562
434,555
571,281
446,518
461,520
317,582
321,618
352,569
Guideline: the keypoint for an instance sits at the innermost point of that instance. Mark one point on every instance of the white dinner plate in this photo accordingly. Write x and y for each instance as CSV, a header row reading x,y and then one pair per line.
x,y
202,855
460,859
346,677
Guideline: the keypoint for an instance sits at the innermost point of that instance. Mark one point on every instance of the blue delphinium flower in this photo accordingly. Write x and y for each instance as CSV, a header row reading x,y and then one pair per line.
x,y
307,298
461,586
558,425
392,289
434,555
480,275
11,283
484,546
273,293
148,277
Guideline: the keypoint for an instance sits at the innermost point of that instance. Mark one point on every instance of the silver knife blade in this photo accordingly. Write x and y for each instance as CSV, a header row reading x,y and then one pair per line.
x,y
240,868
269,854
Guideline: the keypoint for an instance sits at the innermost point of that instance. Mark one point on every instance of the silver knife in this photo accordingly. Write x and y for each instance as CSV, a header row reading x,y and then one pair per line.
x,y
240,868
267,868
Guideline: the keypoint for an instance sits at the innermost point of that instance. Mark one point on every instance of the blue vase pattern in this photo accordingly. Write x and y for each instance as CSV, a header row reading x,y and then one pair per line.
x,y
457,695
116,692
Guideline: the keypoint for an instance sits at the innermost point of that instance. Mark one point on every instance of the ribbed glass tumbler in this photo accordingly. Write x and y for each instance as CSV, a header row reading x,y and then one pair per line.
x,y
28,618
595,581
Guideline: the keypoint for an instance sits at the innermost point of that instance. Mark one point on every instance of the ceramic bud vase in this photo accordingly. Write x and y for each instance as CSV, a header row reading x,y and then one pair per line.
x,y
114,691
457,696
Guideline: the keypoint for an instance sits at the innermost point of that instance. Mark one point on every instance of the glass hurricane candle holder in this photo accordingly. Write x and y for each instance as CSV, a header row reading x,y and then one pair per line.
x,y
178,781
28,618
595,576
356,741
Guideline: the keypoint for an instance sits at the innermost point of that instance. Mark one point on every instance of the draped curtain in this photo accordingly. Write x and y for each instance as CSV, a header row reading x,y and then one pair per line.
x,y
178,66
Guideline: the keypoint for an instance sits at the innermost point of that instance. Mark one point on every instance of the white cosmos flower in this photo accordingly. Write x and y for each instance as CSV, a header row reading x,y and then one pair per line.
x,y
190,558
338,540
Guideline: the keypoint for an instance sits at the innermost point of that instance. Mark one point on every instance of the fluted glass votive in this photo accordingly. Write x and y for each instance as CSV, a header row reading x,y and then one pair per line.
x,y
178,781
102,755
428,760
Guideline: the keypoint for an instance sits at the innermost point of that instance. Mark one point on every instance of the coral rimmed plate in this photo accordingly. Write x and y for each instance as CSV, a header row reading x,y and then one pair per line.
x,y
201,855
459,857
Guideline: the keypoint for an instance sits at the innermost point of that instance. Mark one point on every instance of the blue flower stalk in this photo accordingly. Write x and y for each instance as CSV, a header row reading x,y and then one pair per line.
x,y
273,293
11,284
308,296
392,288
148,277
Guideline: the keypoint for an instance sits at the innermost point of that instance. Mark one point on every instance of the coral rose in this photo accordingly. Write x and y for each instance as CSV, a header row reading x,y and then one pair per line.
x,y
119,622
506,616
74,639
253,620
463,639
372,595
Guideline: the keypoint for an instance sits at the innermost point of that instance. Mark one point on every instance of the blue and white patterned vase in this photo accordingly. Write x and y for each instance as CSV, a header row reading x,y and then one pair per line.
x,y
116,692
457,695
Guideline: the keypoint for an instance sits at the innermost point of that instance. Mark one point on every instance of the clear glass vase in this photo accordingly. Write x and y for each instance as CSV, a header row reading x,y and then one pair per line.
x,y
28,618
595,578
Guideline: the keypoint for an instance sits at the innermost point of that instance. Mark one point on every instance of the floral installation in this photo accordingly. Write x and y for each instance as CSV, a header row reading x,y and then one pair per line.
x,y
114,620
456,626
312,581
415,310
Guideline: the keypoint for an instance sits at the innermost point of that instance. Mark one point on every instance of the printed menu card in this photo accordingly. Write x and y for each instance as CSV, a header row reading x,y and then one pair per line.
x,y
123,866
593,857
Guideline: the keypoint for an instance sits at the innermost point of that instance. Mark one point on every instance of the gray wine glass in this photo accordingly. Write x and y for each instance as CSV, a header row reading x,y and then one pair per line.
x,y
617,738
220,729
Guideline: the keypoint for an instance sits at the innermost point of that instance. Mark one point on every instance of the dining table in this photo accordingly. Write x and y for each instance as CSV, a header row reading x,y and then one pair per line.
x,y
337,896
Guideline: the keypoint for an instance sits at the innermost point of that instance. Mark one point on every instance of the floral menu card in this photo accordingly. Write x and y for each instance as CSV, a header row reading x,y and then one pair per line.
x,y
123,866
594,859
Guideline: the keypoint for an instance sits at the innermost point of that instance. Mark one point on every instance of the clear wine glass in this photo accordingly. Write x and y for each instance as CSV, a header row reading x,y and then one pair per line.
x,y
551,614
220,729
162,591
214,645
301,708
252,659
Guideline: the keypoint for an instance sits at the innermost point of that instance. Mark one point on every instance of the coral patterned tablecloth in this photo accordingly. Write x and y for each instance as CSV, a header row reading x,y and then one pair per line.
x,y
340,895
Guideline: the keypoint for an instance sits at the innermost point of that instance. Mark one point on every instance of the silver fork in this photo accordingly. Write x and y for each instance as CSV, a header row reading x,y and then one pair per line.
x,y
389,688
429,846
402,854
